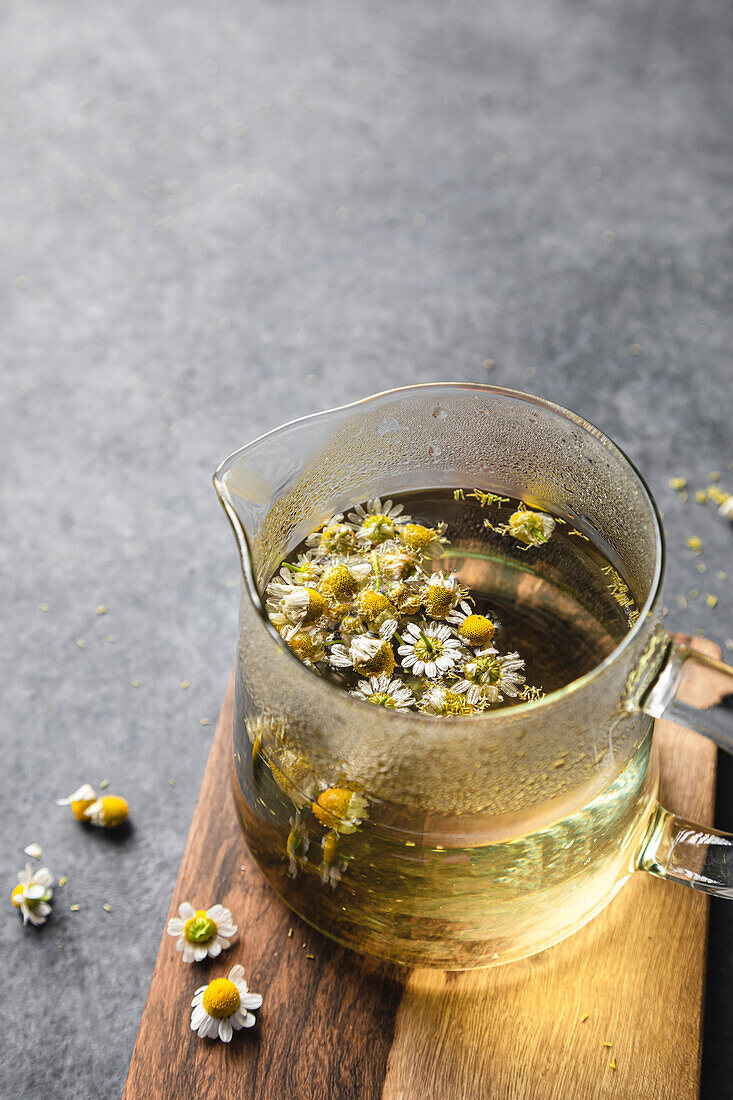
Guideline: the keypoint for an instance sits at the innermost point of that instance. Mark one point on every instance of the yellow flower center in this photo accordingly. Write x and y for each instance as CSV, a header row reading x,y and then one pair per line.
x,y
405,599
338,584
17,896
78,808
416,536
221,998
199,929
438,601
381,661
455,703
373,604
114,810
317,606
477,630
303,646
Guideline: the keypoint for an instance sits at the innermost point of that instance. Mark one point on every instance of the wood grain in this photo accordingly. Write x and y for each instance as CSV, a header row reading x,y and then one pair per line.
x,y
338,1027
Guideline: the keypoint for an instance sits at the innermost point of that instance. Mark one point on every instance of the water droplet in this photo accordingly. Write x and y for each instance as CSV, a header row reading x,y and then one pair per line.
x,y
434,450
440,414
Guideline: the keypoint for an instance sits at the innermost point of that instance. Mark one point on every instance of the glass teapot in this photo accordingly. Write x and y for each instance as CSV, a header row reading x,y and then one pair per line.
x,y
458,842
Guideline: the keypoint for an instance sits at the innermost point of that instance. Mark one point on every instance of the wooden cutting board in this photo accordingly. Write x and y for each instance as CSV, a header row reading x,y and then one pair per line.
x,y
336,1026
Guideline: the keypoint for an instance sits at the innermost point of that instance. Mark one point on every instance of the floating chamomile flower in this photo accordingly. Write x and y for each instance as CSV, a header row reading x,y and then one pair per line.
x,y
377,611
377,522
475,630
306,569
531,528
308,645
343,579
405,596
33,893
367,655
383,692
441,700
201,932
487,675
296,846
332,867
429,649
297,604
80,801
108,811
335,537
440,594
340,809
222,1007
427,540
395,562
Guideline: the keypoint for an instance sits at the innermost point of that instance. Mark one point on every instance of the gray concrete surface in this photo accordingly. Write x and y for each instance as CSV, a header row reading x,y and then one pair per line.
x,y
216,217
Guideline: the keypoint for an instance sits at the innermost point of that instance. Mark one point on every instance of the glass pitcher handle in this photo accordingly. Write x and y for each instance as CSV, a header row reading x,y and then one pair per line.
x,y
696,691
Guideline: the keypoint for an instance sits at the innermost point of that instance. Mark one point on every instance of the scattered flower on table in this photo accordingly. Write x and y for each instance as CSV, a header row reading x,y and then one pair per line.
x,y
222,1007
33,893
80,801
108,811
201,932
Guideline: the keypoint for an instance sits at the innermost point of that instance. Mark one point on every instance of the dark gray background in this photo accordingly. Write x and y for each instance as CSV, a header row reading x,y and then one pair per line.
x,y
216,217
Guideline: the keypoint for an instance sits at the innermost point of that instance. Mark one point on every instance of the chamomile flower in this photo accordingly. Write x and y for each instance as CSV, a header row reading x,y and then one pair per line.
x,y
383,692
367,655
475,630
201,933
334,537
405,596
340,809
343,579
377,611
429,649
295,604
33,893
395,562
440,594
377,522
531,528
443,701
307,644
296,846
332,867
108,811
80,801
222,1007
306,569
487,675
426,540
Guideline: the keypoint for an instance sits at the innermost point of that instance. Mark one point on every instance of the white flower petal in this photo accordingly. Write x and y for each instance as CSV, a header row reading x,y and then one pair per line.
x,y
186,911
252,1000
33,850
214,949
199,952
175,926
249,1020
225,1031
236,973
197,1016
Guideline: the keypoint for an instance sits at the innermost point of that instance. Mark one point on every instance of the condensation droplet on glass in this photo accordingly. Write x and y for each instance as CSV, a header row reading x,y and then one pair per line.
x,y
440,414
434,450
